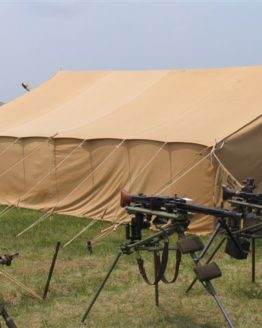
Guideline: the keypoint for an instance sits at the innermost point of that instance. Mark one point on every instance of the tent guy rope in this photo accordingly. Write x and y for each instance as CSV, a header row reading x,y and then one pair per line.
x,y
84,229
19,161
227,171
19,284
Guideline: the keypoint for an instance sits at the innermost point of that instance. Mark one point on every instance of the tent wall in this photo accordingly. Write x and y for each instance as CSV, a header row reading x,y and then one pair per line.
x,y
26,168
241,153
83,178
12,170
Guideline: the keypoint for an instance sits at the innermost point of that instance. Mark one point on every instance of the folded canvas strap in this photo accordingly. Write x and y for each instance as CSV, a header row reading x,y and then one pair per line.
x,y
160,266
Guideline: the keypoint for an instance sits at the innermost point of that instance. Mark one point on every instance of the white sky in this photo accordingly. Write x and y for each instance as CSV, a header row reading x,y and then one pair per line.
x,y
39,38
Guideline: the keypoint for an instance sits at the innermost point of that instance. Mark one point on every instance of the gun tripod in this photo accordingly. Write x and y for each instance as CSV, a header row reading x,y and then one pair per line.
x,y
204,273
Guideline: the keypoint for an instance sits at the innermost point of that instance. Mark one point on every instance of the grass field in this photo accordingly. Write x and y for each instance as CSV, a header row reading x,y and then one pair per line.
x,y
126,301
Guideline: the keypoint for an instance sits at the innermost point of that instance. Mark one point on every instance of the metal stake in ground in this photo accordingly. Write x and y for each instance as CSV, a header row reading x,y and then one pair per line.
x,y
51,270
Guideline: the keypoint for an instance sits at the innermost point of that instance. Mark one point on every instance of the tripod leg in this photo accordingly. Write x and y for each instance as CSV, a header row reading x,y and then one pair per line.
x,y
156,274
212,291
8,320
101,286
232,237
208,260
211,239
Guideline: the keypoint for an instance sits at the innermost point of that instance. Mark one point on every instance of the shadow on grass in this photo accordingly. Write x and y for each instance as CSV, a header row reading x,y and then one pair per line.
x,y
164,318
251,292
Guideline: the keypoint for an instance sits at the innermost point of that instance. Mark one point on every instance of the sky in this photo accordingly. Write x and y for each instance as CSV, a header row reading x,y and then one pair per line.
x,y
41,37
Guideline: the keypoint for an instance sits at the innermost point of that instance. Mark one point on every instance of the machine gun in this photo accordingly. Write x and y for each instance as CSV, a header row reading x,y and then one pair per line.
x,y
246,202
249,197
178,210
246,193
164,209
170,215
249,204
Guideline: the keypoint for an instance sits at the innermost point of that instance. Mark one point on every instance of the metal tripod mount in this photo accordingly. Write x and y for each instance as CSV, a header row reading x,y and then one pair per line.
x,y
128,248
251,228
179,224
207,271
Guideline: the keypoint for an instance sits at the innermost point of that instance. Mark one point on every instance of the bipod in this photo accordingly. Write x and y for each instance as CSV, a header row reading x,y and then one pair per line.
x,y
127,249
206,272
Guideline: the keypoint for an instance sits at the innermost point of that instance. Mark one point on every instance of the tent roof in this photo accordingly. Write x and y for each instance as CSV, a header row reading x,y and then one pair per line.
x,y
196,106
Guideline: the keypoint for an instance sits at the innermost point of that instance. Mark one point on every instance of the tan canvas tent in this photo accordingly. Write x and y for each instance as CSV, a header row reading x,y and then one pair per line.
x,y
73,143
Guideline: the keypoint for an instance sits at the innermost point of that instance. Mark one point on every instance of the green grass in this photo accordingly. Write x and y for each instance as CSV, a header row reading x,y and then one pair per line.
x,y
126,301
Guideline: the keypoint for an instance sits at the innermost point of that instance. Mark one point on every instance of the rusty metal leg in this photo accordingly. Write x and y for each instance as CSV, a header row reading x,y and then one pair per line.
x,y
156,274
253,243
101,286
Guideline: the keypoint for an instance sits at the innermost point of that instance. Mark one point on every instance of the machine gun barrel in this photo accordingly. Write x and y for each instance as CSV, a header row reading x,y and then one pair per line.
x,y
163,214
217,212
242,203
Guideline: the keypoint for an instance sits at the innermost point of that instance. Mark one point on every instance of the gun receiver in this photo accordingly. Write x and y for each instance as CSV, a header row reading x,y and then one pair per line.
x,y
171,204
250,197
